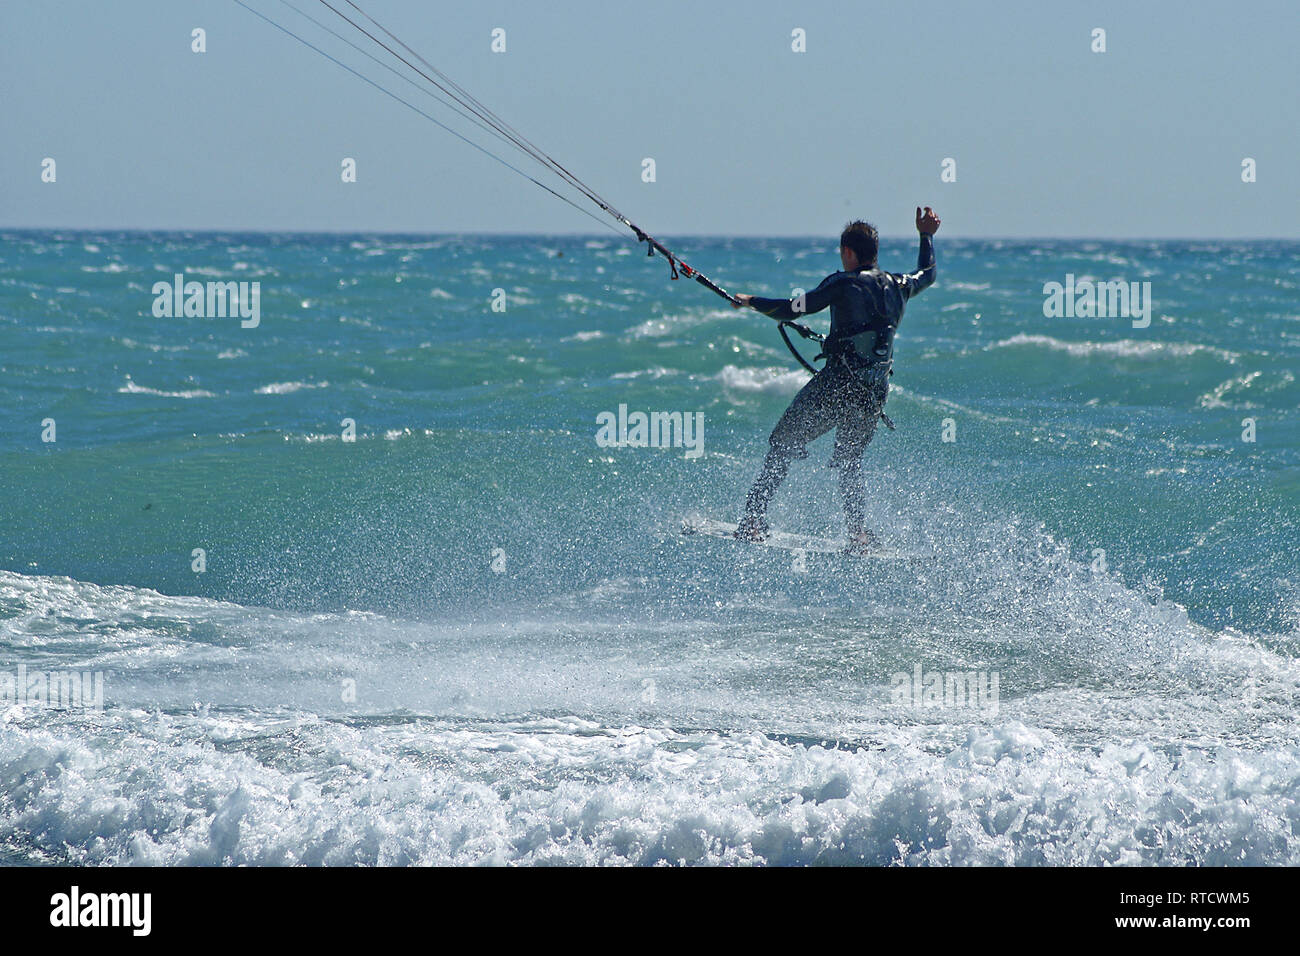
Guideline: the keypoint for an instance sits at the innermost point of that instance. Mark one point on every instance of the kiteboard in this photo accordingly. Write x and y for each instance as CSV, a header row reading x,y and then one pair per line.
x,y
785,541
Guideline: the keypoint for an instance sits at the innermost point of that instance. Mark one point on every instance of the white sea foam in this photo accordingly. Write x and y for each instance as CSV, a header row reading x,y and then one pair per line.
x,y
648,739
653,373
243,789
627,696
1215,397
777,381
1123,348
668,324
131,388
153,346
286,388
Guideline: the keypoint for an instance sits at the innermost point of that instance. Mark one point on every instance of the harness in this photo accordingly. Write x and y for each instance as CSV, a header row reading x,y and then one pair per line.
x,y
874,373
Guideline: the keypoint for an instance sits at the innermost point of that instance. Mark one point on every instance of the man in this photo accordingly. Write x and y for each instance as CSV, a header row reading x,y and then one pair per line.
x,y
849,393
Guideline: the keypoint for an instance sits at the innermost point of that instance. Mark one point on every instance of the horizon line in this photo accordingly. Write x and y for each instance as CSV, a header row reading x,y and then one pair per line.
x,y
599,235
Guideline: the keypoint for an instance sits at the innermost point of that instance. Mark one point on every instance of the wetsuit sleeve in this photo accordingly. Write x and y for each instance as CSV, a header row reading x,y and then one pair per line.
x,y
819,298
923,277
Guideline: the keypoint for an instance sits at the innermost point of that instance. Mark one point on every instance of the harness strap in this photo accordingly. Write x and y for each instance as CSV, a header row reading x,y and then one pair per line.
x,y
807,333
877,372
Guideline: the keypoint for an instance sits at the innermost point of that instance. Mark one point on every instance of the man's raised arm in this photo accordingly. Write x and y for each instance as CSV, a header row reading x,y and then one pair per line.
x,y
927,224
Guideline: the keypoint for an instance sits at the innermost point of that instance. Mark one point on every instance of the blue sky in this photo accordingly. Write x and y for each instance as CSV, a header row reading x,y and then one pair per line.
x,y
748,137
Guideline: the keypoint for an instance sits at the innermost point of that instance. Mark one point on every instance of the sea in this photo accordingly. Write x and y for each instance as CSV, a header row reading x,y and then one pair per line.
x,y
353,577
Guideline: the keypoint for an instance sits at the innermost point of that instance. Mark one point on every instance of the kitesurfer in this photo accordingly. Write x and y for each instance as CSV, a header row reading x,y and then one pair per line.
x,y
849,392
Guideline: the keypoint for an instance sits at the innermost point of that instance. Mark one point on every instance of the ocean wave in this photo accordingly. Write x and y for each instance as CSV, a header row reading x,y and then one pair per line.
x,y
286,388
391,434
464,749
1214,398
1123,348
653,373
231,789
668,324
152,346
395,434
131,388
652,328
213,271
776,381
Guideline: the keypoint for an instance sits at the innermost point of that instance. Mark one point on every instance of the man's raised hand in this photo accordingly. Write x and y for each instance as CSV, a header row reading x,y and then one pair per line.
x,y
927,223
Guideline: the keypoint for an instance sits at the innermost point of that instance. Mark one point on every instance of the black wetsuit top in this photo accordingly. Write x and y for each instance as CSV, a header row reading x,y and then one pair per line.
x,y
866,307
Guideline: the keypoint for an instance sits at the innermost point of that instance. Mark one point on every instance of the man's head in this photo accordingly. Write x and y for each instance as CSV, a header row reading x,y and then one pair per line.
x,y
859,245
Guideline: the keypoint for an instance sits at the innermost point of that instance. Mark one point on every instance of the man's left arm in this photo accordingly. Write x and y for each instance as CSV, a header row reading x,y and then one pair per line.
x,y
914,282
927,224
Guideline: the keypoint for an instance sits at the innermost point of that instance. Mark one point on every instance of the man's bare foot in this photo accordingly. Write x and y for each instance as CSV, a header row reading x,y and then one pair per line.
x,y
864,542
752,529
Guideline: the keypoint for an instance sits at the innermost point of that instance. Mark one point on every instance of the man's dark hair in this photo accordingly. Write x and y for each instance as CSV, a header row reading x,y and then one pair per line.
x,y
862,238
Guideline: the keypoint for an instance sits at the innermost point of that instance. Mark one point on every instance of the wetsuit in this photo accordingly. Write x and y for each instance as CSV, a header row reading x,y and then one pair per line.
x,y
849,392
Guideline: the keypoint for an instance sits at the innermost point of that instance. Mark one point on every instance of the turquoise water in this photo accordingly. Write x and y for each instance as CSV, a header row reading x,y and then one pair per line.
x,y
545,670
